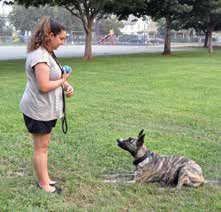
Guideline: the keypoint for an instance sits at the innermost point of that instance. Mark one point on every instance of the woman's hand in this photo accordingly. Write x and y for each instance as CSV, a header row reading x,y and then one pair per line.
x,y
69,90
65,75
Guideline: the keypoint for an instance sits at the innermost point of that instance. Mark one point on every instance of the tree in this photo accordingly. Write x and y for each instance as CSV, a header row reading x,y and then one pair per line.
x,y
2,24
20,17
170,10
205,17
5,29
157,9
85,10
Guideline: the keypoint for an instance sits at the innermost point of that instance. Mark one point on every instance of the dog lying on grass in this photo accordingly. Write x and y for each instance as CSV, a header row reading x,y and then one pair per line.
x,y
166,170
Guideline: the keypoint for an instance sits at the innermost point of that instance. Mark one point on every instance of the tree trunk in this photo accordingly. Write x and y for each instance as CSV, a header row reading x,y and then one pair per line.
x,y
206,40
210,46
210,28
88,41
88,46
167,50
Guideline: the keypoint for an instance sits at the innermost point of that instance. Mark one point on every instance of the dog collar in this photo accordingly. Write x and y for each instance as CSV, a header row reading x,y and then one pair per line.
x,y
139,160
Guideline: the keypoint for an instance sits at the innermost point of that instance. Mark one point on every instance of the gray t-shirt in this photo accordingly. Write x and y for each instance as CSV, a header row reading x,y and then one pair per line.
x,y
34,103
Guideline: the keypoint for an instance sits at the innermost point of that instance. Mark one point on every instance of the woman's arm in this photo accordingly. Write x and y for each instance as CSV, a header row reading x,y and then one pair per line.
x,y
42,76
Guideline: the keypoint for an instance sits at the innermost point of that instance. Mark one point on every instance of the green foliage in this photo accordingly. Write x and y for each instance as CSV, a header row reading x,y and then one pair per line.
x,y
124,8
4,29
2,24
20,17
157,9
80,9
204,13
175,99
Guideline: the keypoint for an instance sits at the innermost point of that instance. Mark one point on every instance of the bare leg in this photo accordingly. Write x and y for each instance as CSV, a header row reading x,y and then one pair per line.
x,y
40,160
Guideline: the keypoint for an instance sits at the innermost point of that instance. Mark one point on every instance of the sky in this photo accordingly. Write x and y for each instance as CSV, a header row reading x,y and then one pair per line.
x,y
4,9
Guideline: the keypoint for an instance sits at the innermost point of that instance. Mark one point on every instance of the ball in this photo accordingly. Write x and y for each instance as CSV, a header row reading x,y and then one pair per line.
x,y
66,69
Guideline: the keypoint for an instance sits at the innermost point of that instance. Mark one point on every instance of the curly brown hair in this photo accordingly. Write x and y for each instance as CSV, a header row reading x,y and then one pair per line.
x,y
40,35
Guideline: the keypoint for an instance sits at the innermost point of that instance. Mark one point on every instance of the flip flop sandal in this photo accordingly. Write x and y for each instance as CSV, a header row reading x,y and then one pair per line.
x,y
52,183
57,190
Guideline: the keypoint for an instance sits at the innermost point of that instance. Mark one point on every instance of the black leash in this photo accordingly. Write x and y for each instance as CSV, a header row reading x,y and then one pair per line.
x,y
64,125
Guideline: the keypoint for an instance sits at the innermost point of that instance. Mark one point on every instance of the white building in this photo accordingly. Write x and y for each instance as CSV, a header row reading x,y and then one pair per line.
x,y
136,26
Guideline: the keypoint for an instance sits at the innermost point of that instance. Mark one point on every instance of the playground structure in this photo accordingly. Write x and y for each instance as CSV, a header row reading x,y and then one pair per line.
x,y
109,37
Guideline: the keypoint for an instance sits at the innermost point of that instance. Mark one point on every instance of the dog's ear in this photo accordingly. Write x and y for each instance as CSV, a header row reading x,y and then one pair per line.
x,y
140,140
140,133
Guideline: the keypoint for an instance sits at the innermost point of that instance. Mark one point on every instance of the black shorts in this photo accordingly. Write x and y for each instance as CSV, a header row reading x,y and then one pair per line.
x,y
39,127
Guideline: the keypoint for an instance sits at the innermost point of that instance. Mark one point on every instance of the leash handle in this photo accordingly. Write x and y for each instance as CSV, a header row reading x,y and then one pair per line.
x,y
64,125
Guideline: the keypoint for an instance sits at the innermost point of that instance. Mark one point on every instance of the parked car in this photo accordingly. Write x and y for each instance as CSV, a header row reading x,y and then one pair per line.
x,y
136,41
130,39
156,41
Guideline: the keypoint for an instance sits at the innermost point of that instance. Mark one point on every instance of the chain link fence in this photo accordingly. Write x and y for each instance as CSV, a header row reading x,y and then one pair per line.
x,y
78,38
133,37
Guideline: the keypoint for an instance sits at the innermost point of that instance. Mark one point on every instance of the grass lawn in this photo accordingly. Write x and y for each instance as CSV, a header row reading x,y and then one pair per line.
x,y
176,99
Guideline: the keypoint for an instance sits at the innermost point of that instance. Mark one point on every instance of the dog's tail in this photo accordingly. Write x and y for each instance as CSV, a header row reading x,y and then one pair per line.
x,y
213,182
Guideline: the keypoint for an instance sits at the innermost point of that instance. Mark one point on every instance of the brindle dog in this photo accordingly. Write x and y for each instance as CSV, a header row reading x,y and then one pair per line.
x,y
166,170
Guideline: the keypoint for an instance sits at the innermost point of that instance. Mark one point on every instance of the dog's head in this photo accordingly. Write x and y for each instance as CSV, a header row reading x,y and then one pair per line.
x,y
132,145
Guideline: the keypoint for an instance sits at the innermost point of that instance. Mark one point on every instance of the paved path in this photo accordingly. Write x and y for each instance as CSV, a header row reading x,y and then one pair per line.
x,y
19,52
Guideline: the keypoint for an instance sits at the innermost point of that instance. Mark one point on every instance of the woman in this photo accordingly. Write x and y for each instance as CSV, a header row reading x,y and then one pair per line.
x,y
42,102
